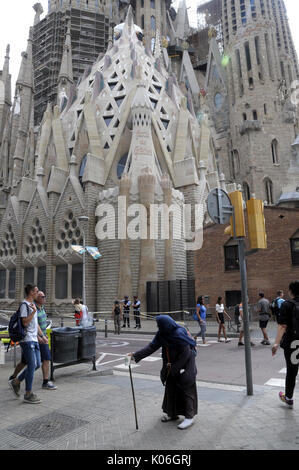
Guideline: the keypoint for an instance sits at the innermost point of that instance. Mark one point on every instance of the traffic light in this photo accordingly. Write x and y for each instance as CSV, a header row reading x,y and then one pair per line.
x,y
256,224
236,199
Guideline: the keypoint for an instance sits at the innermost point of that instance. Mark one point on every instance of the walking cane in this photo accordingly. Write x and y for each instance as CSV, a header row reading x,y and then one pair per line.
x,y
128,362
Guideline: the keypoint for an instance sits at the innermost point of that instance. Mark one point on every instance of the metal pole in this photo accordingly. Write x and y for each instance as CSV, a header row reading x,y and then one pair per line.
x,y
106,328
84,260
243,272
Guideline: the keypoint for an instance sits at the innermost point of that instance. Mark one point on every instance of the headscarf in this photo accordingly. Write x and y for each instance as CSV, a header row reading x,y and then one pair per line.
x,y
172,334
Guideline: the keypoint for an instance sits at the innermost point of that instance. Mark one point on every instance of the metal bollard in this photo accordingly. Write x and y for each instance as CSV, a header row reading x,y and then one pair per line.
x,y
61,322
106,328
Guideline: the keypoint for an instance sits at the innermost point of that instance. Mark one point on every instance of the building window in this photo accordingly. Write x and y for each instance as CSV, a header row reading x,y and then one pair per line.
x,y
246,191
269,191
153,23
218,100
61,282
77,280
12,284
231,256
153,4
274,149
295,249
28,276
2,284
41,279
254,115
82,169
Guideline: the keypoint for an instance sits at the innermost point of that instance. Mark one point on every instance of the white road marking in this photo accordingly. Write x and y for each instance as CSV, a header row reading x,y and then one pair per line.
x,y
123,366
109,362
113,344
275,383
203,345
155,378
283,371
100,359
151,359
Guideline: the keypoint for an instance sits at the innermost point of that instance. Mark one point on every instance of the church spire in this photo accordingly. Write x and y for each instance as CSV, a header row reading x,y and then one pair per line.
x,y
24,92
65,78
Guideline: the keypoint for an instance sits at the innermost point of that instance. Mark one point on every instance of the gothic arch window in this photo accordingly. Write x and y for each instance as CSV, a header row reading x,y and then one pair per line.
x,y
246,191
142,22
269,191
274,149
153,4
218,101
153,23
82,169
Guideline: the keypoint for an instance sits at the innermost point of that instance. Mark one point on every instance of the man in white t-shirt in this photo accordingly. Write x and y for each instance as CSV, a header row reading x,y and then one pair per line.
x,y
29,345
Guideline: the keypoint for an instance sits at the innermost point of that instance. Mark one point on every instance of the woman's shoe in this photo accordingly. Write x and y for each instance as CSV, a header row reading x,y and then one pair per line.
x,y
167,418
186,423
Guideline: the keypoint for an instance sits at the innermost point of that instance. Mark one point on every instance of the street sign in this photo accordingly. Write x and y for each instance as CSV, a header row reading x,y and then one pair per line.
x,y
219,206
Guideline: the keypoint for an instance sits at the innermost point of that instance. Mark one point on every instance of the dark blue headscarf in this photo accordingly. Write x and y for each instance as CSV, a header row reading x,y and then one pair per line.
x,y
172,334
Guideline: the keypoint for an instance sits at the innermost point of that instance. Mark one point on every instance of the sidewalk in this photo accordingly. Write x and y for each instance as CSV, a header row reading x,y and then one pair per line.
x,y
91,411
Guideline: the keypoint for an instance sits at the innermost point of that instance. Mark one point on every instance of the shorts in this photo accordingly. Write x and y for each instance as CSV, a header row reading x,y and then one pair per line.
x,y
221,318
263,323
45,354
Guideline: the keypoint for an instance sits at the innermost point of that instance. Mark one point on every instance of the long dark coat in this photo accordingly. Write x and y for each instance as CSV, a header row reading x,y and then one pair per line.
x,y
180,396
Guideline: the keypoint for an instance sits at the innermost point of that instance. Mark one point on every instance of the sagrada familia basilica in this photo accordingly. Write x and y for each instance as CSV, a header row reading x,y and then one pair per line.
x,y
132,122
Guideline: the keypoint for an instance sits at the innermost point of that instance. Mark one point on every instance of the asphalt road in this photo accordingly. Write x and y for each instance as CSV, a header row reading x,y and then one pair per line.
x,y
222,363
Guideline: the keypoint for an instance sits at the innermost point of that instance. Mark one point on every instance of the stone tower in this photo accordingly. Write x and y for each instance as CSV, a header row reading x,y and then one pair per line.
x,y
150,15
78,28
254,81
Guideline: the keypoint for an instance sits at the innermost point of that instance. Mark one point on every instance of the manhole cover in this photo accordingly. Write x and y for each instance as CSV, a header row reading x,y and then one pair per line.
x,y
48,427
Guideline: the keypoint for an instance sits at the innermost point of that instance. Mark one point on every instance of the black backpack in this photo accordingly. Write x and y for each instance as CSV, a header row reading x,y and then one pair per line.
x,y
15,328
117,310
295,319
274,308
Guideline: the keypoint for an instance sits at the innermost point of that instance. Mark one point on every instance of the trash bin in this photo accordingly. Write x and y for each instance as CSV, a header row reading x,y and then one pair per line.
x,y
87,342
65,344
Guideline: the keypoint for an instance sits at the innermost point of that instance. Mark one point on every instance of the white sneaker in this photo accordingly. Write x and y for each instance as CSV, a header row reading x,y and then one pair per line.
x,y
186,423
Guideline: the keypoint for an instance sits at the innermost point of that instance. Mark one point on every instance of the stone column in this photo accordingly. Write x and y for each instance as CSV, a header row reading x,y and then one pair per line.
x,y
169,265
148,265
125,275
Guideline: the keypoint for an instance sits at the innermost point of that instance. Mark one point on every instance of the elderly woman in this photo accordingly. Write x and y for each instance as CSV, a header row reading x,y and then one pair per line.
x,y
178,372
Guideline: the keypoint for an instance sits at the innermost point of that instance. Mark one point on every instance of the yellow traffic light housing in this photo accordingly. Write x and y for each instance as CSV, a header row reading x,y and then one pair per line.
x,y
256,224
236,201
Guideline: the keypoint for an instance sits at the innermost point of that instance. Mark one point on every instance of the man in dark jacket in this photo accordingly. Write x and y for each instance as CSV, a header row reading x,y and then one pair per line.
x,y
289,340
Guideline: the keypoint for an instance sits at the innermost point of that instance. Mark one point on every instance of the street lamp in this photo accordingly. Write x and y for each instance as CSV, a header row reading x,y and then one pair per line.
x,y
83,219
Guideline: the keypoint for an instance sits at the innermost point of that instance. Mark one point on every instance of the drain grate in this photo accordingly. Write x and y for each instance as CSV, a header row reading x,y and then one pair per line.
x,y
48,427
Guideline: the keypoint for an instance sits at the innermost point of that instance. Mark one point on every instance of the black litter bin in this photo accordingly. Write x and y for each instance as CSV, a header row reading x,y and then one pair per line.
x,y
65,344
87,342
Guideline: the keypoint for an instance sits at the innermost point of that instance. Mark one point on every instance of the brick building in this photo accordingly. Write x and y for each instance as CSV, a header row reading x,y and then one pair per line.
x,y
216,264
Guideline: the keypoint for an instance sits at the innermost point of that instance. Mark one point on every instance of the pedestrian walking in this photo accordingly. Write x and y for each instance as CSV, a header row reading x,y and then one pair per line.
x,y
126,311
201,313
43,345
276,304
241,325
237,317
136,311
287,337
263,309
29,345
178,372
117,316
220,312
78,311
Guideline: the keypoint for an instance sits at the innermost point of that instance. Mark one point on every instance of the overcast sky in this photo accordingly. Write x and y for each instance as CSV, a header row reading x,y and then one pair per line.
x,y
16,16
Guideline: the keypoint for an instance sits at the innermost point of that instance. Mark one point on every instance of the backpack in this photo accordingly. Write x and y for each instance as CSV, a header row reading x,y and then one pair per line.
x,y
117,310
295,319
274,307
15,328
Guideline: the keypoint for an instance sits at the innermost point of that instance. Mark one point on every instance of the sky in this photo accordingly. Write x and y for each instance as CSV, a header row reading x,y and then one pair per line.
x,y
16,16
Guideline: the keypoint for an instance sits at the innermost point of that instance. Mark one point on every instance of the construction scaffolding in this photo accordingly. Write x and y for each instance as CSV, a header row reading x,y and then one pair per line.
x,y
209,15
89,36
